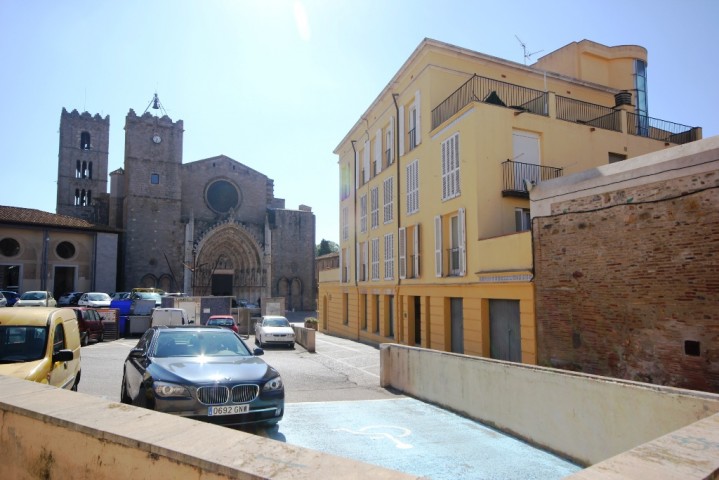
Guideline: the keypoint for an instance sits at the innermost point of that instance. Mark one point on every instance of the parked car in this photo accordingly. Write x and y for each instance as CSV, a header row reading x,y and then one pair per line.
x,y
94,300
274,330
169,316
120,295
36,299
41,345
10,296
226,321
204,373
3,300
90,325
147,294
69,299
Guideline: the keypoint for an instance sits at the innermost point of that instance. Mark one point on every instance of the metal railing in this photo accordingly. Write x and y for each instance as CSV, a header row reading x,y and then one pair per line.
x,y
586,113
496,92
515,173
412,138
388,156
644,126
453,259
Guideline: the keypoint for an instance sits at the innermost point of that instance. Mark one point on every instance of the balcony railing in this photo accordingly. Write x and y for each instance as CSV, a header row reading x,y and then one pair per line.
x,y
388,156
412,138
586,113
487,90
644,126
453,256
515,174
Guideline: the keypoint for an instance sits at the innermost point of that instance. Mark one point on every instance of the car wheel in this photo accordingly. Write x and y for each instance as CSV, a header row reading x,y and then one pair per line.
x,y
292,345
77,382
102,337
85,341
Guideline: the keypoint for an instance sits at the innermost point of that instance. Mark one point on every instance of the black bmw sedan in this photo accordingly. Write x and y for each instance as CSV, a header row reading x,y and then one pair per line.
x,y
205,373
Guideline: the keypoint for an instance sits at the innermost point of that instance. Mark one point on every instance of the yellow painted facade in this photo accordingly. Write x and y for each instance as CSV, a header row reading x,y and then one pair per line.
x,y
435,249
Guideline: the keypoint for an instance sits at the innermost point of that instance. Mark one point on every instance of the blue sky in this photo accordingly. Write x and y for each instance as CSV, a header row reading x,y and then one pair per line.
x,y
276,84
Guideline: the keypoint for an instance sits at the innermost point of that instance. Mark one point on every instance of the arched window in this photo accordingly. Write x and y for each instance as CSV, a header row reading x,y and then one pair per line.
x,y
89,197
84,170
89,169
85,140
77,196
78,170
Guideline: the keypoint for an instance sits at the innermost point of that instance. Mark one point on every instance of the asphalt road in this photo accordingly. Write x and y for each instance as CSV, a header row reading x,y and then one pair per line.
x,y
333,404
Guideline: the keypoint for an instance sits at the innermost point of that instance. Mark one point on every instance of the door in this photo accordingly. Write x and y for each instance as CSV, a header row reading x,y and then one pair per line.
x,y
64,281
526,155
222,285
457,325
504,330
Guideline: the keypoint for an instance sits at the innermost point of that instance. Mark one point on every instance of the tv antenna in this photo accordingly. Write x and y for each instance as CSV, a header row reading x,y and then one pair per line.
x,y
524,49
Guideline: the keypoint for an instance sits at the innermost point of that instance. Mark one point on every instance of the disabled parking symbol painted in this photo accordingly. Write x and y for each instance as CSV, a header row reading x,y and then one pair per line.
x,y
379,432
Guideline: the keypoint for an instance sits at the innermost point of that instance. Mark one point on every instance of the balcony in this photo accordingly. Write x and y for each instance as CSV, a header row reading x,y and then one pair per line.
x,y
516,174
522,99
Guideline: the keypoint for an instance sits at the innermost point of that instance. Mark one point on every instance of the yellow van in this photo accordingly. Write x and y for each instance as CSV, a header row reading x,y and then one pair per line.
x,y
41,345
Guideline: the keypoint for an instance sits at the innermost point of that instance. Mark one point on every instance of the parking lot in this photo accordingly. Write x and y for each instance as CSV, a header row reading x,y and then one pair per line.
x,y
334,404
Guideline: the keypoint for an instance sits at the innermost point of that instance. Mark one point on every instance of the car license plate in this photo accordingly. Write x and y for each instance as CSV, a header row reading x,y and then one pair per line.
x,y
228,410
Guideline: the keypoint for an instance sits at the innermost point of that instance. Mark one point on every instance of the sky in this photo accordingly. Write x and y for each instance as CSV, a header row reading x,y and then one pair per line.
x,y
277,84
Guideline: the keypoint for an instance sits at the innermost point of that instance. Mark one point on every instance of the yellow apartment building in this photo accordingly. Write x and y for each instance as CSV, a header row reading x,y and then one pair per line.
x,y
435,244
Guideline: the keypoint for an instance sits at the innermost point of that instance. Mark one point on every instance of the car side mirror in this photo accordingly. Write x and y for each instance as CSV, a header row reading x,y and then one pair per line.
x,y
258,351
137,353
63,356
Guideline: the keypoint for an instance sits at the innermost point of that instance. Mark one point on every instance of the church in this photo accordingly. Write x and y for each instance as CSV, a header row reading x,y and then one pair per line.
x,y
207,227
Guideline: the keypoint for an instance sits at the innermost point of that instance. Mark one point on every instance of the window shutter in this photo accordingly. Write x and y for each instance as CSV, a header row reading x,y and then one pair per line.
x,y
417,127
342,266
438,246
402,253
365,260
378,151
401,130
461,241
366,161
416,251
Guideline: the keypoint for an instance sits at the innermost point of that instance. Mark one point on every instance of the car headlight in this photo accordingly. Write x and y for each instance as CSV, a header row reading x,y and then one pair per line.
x,y
170,390
273,385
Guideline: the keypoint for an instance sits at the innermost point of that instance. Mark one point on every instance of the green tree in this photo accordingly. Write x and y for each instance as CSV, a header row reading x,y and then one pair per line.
x,y
327,246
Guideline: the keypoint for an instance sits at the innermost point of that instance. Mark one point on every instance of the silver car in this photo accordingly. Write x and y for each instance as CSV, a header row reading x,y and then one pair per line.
x,y
36,298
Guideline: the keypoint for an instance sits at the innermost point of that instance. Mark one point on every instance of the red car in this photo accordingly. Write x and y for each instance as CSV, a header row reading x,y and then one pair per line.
x,y
90,324
223,321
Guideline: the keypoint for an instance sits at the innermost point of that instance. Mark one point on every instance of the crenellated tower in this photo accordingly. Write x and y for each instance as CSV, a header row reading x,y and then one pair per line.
x,y
82,166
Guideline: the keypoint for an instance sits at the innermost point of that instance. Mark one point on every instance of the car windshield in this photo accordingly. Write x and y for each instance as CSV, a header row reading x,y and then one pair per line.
x,y
193,343
220,321
33,296
276,322
147,296
98,296
22,343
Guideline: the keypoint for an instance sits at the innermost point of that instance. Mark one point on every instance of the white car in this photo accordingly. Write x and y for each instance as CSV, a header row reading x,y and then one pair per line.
x,y
274,330
36,299
94,300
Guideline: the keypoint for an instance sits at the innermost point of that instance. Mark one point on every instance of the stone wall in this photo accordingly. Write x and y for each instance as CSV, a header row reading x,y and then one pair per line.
x,y
627,283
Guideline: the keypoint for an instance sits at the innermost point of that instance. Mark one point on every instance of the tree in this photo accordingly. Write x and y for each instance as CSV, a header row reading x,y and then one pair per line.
x,y
327,246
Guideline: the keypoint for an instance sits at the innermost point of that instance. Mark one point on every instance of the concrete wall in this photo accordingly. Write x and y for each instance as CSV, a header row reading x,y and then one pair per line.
x,y
582,417
46,432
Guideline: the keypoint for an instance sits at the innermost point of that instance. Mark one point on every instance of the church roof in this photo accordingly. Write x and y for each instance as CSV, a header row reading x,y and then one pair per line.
x,y
32,217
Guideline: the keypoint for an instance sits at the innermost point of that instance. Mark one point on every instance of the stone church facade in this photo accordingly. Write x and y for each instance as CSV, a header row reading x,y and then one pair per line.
x,y
208,227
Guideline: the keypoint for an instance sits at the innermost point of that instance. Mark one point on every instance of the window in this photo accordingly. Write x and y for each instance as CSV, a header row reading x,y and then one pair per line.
x,y
344,181
522,219
155,179
640,83
378,151
450,167
365,163
412,128
389,256
65,250
344,265
413,187
85,141
409,252
363,213
388,200
389,143
58,342
9,247
345,308
363,252
456,253
375,258
345,223
82,197
374,207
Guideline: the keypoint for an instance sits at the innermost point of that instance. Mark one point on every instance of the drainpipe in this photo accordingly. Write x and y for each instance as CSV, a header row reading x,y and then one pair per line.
x,y
354,206
398,318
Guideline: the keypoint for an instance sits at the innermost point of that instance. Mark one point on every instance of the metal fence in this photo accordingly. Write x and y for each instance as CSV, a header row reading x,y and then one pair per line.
x,y
586,113
644,126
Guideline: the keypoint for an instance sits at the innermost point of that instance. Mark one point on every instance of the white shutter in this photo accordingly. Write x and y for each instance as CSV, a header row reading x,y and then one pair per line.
x,y
416,251
401,130
461,243
438,246
417,126
402,253
378,151
366,161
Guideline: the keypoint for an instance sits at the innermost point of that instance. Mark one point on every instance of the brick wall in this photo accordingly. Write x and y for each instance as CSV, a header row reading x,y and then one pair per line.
x,y
627,283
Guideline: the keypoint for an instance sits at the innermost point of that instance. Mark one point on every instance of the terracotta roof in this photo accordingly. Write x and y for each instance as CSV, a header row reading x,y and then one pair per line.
x,y
30,216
